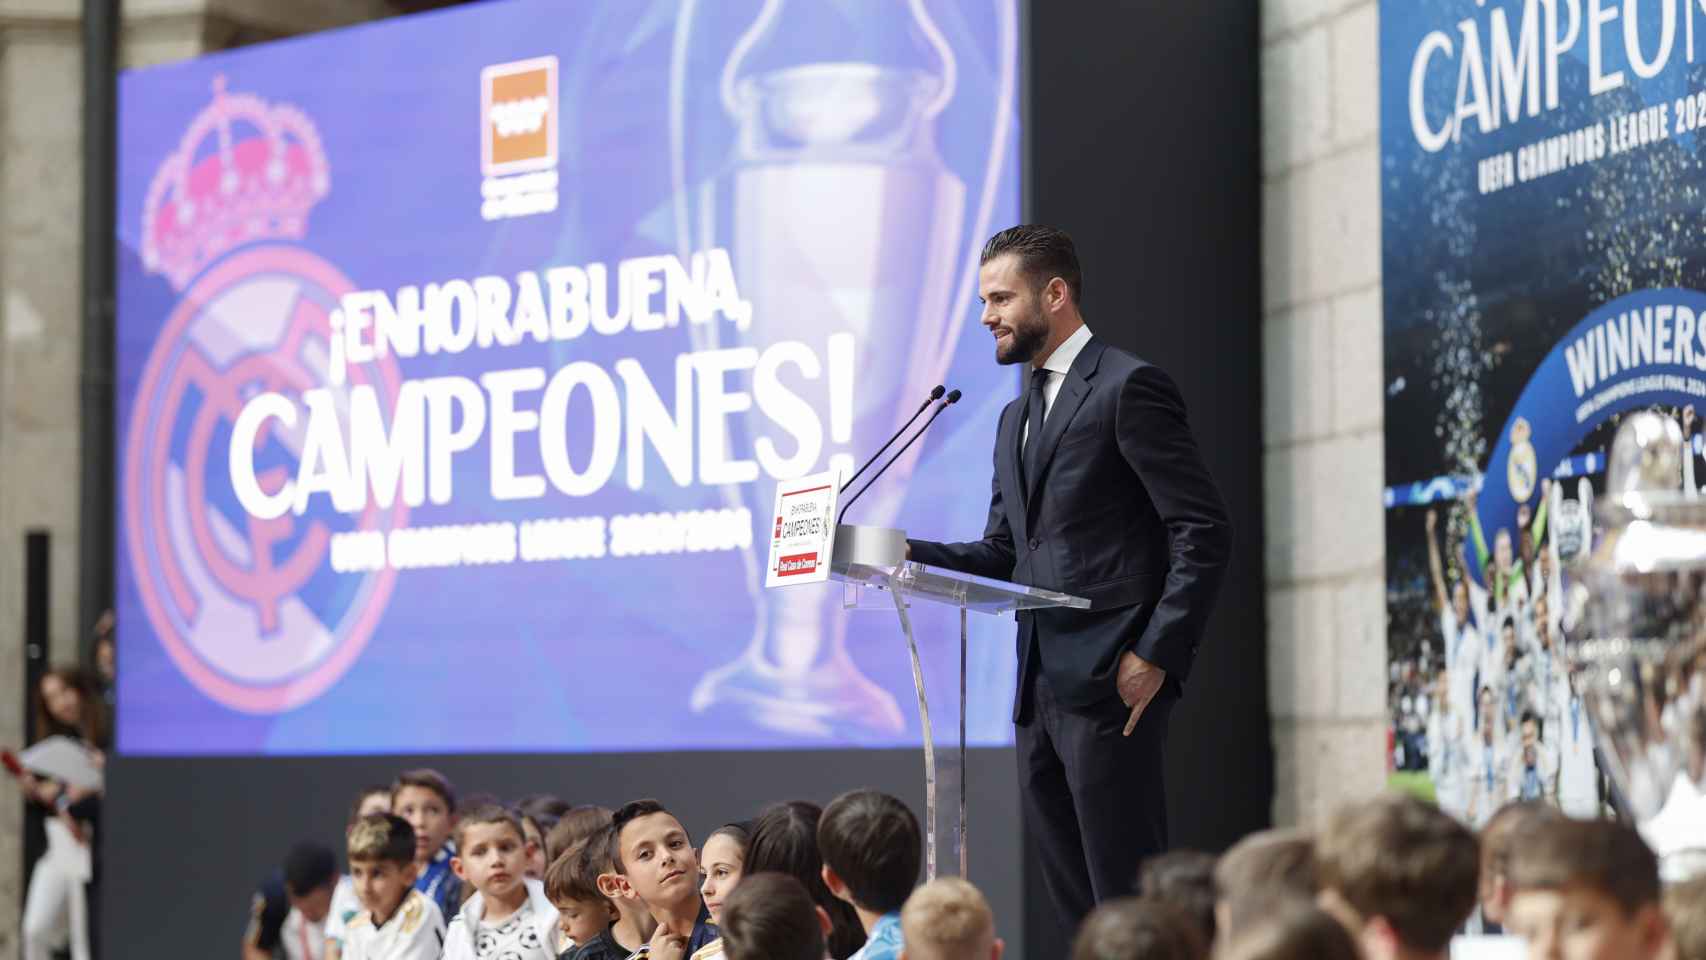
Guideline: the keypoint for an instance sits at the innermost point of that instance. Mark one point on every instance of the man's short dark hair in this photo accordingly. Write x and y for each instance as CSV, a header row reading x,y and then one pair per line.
x,y
1185,879
1044,253
1603,855
1400,858
872,842
309,866
624,815
770,916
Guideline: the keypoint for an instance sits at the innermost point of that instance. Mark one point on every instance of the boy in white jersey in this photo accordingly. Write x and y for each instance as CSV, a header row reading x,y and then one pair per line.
x,y
375,798
397,922
509,916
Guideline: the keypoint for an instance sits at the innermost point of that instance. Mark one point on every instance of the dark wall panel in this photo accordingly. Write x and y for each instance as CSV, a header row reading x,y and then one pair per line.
x,y
1143,145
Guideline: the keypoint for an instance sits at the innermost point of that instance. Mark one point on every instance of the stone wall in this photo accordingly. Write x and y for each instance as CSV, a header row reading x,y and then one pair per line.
x,y
1322,416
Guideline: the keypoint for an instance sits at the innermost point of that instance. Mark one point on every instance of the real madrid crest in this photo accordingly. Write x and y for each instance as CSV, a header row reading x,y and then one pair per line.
x,y
1522,469
230,596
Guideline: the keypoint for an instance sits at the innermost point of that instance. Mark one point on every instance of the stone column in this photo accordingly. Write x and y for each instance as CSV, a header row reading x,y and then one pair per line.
x,y
41,101
1323,461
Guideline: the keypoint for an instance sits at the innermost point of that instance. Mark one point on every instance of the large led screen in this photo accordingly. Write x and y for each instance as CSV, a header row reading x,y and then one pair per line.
x,y
460,356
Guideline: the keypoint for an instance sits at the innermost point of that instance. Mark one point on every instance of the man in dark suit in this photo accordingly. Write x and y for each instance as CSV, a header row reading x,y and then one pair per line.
x,y
1100,492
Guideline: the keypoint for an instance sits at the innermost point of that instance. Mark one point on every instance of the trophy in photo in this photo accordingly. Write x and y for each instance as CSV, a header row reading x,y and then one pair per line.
x,y
1642,661
840,217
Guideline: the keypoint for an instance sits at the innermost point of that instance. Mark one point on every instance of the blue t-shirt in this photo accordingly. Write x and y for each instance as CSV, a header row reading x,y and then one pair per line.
x,y
439,884
884,943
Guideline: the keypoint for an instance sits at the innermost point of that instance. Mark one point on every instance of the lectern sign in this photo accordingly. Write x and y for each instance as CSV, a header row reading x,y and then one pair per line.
x,y
802,535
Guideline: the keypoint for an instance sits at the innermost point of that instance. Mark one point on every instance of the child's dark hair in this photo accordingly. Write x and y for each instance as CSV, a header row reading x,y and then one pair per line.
x,y
578,824
429,779
624,815
361,796
740,832
487,814
771,916
1185,879
872,842
382,836
310,866
784,840
1605,855
574,874
1133,928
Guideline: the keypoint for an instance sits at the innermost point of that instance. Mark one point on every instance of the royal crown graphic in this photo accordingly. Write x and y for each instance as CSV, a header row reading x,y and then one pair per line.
x,y
266,172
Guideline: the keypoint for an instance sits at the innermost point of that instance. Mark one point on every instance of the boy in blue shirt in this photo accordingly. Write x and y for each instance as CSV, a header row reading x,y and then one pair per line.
x,y
427,801
872,849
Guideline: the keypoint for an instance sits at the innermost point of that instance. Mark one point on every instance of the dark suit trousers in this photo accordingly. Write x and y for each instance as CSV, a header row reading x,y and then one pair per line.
x,y
1094,802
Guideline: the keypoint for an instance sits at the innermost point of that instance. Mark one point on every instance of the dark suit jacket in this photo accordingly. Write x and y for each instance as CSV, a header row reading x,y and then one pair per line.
x,y
1121,512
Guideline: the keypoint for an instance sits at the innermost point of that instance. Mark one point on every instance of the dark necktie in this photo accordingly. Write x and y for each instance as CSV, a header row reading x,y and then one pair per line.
x,y
1033,438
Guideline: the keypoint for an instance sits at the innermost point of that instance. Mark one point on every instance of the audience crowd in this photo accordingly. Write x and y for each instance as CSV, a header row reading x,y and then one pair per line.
x,y
431,875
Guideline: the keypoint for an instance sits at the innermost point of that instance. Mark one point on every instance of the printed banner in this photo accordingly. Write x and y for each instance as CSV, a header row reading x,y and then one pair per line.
x,y
460,356
1545,257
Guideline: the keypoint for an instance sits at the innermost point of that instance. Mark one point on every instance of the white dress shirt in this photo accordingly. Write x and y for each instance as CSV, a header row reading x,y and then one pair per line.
x,y
1057,364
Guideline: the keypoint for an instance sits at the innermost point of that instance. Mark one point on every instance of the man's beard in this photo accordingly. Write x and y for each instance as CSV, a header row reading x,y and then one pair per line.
x,y
1024,342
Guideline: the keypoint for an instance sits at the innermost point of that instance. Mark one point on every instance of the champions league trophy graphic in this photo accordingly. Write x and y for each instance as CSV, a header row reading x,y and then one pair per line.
x,y
224,590
1642,662
840,216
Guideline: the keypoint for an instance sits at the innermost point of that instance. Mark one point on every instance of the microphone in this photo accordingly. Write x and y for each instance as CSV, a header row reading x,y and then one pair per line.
x,y
935,395
952,398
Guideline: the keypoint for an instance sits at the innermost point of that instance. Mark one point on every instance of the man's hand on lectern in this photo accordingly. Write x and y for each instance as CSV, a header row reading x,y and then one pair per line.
x,y
1138,683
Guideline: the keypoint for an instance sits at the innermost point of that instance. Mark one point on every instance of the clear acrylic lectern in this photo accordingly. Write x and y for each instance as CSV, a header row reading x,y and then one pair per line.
x,y
871,564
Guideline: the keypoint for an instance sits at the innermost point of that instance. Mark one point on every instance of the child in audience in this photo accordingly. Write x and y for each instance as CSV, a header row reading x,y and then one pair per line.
x,y
544,809
427,801
720,862
655,859
1399,873
1262,865
771,916
536,862
1685,907
1132,928
784,839
634,925
1498,838
310,879
872,849
722,857
1185,879
538,813
1289,928
585,916
575,825
1586,890
397,922
371,799
509,915
948,919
